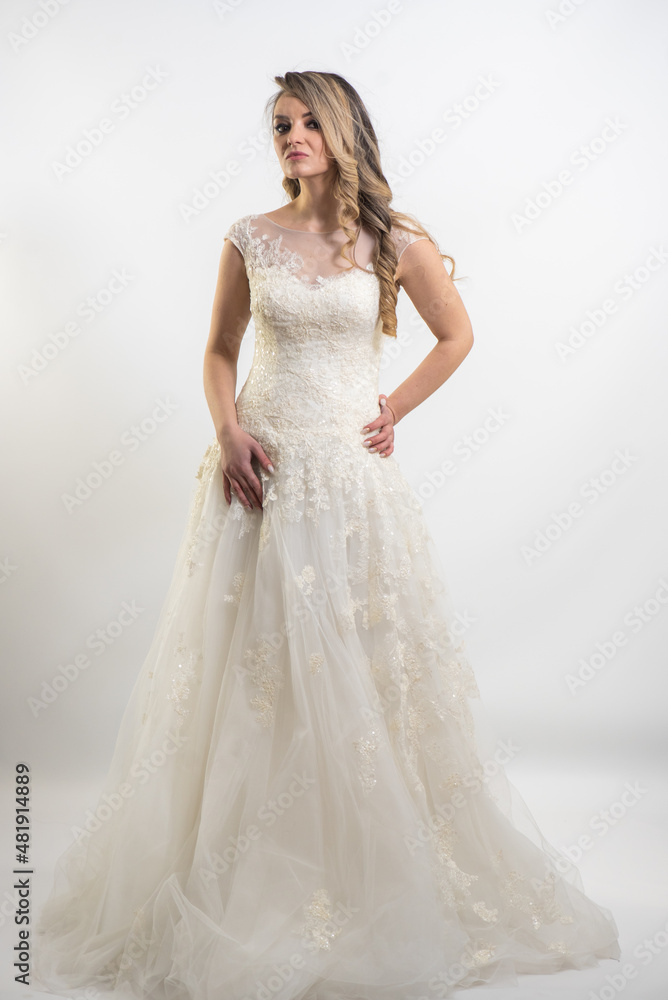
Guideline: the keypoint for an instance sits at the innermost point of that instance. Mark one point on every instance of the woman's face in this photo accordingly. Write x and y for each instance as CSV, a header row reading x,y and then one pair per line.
x,y
296,131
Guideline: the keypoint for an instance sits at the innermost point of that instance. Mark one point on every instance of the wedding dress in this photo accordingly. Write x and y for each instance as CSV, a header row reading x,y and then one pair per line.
x,y
298,806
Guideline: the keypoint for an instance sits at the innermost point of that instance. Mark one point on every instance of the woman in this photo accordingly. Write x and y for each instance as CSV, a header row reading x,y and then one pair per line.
x,y
297,805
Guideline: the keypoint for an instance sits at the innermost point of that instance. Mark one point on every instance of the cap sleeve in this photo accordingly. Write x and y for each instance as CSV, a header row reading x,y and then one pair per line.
x,y
403,239
238,233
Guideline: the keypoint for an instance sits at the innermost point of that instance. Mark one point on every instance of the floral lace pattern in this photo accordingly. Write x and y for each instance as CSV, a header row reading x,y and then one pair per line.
x,y
311,388
315,662
238,586
305,580
183,680
318,929
266,679
367,749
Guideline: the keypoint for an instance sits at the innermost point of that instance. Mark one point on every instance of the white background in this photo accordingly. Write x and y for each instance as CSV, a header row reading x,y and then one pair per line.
x,y
523,95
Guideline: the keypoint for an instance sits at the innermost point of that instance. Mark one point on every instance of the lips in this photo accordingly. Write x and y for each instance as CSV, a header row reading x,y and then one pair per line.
x,y
296,156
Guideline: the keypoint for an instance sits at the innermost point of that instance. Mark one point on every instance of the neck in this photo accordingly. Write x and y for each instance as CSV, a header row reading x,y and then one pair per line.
x,y
316,204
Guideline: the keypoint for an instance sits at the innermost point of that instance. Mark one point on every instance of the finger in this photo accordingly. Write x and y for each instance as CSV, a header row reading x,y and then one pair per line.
x,y
383,445
264,461
378,421
246,481
388,412
257,497
254,489
253,485
226,486
241,495
379,439
238,492
381,426
386,408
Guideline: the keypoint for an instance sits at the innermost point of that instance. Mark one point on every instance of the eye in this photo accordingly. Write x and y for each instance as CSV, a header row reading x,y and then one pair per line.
x,y
282,125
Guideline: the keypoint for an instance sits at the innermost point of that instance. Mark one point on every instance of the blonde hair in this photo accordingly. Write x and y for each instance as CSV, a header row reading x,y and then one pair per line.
x,y
360,187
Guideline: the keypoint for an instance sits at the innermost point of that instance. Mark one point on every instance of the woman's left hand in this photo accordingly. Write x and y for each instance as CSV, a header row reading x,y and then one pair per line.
x,y
383,441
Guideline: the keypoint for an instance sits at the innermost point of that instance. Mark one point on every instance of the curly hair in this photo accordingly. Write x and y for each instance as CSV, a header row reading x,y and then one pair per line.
x,y
360,187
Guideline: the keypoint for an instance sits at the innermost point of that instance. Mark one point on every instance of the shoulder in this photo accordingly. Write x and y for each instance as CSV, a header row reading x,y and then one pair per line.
x,y
241,232
423,263
407,231
403,237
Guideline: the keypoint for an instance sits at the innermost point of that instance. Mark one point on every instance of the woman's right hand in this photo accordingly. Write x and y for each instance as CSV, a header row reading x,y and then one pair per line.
x,y
237,449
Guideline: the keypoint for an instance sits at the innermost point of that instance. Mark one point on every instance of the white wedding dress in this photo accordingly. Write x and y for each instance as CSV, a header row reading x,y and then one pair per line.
x,y
298,806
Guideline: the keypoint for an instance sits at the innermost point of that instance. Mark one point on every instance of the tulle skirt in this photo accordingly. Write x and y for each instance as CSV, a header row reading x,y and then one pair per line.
x,y
304,802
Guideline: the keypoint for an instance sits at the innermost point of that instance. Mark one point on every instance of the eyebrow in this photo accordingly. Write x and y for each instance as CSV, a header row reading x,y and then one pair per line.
x,y
305,115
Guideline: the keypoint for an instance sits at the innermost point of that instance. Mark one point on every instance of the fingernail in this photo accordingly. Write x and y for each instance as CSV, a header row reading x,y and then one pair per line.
x,y
270,467
372,449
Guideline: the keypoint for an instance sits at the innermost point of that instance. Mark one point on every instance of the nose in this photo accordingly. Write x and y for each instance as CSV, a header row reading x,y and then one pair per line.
x,y
293,134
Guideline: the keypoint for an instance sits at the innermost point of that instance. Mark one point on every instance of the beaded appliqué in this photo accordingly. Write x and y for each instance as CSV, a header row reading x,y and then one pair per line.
x,y
237,587
453,883
263,252
183,680
305,580
542,907
482,955
266,677
318,929
346,618
315,662
367,748
485,913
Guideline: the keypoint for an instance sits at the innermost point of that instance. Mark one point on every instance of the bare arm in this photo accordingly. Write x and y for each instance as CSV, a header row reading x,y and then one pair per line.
x,y
229,320
422,274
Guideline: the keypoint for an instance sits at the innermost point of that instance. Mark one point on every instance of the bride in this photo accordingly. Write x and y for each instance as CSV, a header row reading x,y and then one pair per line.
x,y
299,804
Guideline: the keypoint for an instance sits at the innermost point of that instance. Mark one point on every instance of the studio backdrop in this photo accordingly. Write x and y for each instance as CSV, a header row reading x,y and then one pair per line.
x,y
529,138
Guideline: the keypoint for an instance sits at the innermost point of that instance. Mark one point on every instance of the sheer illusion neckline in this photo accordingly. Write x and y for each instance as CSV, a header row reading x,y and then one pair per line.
x,y
307,232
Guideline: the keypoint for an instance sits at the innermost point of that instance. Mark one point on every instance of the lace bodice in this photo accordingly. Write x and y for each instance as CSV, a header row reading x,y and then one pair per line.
x,y
311,257
318,335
